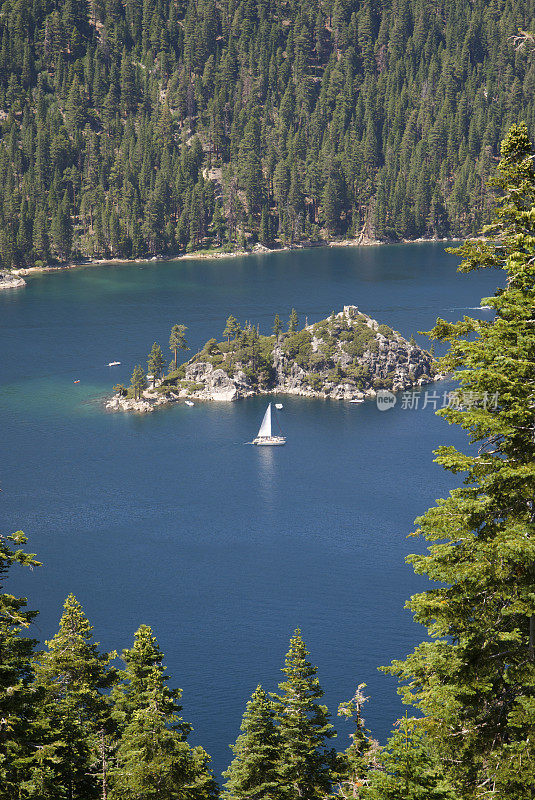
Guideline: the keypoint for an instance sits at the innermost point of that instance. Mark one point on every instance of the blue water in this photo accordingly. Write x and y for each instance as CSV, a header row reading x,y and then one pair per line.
x,y
169,519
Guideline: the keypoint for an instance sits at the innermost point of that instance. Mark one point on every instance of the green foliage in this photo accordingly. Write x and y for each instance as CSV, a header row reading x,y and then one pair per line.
x,y
177,340
73,678
354,765
475,682
17,696
363,339
305,760
153,759
155,363
298,347
385,330
293,322
232,328
253,774
408,769
138,381
144,128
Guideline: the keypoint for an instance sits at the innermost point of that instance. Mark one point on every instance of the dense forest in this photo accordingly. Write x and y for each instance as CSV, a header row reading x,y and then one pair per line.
x,y
135,127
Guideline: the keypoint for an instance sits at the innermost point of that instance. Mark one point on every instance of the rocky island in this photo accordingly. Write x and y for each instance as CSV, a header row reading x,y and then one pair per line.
x,y
347,356
9,281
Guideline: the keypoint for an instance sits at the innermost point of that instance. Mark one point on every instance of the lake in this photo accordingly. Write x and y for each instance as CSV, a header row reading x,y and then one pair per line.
x,y
170,519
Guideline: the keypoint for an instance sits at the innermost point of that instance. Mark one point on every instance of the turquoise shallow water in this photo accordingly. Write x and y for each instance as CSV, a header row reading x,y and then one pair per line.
x,y
171,520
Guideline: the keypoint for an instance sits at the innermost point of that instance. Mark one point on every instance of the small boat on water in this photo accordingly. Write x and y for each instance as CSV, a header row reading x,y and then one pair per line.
x,y
357,400
189,403
78,381
265,436
114,363
278,405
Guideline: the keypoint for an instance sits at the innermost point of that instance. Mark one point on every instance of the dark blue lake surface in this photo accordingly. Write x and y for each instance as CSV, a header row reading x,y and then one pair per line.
x,y
170,520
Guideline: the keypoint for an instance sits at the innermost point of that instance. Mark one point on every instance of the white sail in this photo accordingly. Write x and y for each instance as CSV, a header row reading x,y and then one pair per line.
x,y
265,428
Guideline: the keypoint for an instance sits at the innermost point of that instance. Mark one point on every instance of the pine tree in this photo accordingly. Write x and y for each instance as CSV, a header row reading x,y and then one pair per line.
x,y
293,322
155,363
138,381
17,696
305,761
408,769
253,774
475,681
177,340
62,230
74,714
218,222
232,328
354,765
144,671
265,227
277,327
153,759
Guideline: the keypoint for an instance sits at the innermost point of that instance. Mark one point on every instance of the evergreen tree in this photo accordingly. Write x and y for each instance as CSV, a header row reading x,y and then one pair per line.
x,y
354,765
293,322
62,230
305,761
17,696
74,713
408,769
277,327
218,222
177,340
254,770
154,761
265,227
144,671
232,328
139,381
155,363
475,681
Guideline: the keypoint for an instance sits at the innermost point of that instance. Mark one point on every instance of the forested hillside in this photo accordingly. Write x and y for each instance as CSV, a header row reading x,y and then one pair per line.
x,y
142,126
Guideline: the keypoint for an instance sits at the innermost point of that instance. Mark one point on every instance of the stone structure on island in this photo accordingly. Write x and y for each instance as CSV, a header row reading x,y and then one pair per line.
x,y
345,357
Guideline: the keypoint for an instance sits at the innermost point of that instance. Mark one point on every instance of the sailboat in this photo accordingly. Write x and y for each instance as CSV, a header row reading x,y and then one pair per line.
x,y
265,436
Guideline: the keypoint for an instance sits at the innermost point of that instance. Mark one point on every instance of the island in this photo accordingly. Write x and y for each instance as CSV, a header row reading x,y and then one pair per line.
x,y
348,356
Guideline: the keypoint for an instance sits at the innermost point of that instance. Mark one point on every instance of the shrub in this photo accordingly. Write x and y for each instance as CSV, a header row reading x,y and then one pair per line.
x,y
385,330
298,347
315,382
191,386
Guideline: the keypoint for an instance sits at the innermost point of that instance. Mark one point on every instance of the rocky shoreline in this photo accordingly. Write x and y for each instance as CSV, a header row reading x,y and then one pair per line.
x,y
387,360
201,255
10,281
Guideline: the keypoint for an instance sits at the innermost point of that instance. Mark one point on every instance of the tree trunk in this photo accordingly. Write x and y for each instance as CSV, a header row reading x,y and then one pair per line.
x,y
104,767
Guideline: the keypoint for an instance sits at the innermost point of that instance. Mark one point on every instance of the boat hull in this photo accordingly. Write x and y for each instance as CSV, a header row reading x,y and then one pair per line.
x,y
269,441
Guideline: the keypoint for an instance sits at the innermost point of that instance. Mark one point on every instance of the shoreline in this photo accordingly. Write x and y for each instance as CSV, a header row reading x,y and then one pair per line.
x,y
8,280
151,401
369,357
203,255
